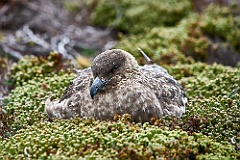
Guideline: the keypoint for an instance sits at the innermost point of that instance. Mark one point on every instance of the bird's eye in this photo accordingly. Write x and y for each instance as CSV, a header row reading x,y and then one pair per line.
x,y
116,67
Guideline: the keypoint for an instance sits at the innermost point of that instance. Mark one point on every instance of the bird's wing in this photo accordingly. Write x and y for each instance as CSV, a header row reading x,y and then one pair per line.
x,y
82,80
168,90
75,97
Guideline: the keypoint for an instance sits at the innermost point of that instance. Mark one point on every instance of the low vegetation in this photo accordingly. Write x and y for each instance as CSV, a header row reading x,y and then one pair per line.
x,y
210,129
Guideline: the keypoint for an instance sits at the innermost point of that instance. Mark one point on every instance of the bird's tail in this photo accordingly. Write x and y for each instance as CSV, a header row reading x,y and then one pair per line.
x,y
48,106
149,61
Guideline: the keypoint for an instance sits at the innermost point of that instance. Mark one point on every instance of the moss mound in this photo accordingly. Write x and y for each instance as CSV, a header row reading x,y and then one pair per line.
x,y
93,139
35,67
213,107
190,40
170,36
184,43
137,16
35,79
222,21
27,102
213,110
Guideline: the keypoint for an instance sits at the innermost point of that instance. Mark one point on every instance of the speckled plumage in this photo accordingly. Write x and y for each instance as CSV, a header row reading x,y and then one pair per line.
x,y
143,92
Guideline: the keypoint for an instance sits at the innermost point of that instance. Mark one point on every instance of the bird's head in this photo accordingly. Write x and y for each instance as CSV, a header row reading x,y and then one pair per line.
x,y
108,66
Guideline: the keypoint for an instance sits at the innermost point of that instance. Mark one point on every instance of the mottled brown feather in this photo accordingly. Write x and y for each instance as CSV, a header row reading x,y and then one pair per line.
x,y
143,92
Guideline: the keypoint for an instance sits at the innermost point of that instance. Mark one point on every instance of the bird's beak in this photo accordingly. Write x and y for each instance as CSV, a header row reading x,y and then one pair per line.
x,y
96,85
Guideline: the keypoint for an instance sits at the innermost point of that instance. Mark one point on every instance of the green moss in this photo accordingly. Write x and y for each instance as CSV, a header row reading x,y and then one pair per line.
x,y
36,79
137,16
212,110
183,43
189,40
212,116
201,80
27,102
87,138
35,67
219,21
159,43
213,107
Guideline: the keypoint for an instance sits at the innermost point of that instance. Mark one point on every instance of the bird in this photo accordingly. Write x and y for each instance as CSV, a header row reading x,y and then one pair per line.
x,y
116,85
